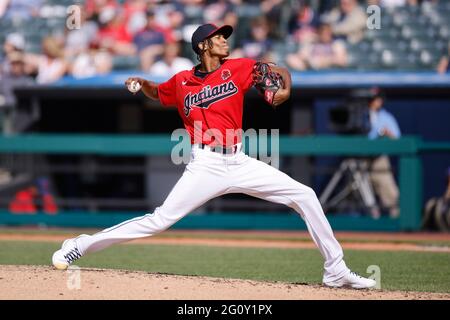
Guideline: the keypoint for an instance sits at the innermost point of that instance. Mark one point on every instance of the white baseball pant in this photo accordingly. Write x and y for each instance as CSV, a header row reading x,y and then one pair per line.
x,y
210,174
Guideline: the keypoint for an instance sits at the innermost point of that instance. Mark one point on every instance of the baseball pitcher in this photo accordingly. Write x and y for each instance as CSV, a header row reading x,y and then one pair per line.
x,y
209,99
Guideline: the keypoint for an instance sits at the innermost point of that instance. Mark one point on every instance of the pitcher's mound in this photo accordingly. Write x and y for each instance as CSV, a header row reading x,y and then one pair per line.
x,y
43,282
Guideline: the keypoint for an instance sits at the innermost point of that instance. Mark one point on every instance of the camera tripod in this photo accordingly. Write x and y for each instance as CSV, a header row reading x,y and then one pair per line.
x,y
356,173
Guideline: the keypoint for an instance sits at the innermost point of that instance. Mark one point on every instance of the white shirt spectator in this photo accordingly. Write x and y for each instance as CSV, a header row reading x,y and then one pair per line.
x,y
78,40
392,3
349,20
49,70
91,63
171,63
50,65
19,9
162,68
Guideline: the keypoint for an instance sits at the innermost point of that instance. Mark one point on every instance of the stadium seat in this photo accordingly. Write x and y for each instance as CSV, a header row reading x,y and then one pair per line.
x,y
65,3
410,37
193,14
394,60
444,32
355,59
428,59
32,47
33,40
362,46
281,49
412,30
443,6
248,10
243,32
375,34
126,63
393,33
432,31
419,44
56,23
387,21
379,45
399,19
441,46
422,20
411,10
439,18
369,62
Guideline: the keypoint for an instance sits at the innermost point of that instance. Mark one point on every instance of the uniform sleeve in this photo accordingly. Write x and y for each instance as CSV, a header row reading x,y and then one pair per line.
x,y
246,70
167,92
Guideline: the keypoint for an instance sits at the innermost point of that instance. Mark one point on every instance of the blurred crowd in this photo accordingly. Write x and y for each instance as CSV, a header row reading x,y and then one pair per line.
x,y
153,35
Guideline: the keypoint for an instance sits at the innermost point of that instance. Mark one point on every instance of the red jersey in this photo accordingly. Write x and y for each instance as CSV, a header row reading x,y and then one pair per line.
x,y
214,104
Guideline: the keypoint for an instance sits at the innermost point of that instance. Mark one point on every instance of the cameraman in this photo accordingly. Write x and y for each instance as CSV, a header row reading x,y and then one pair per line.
x,y
383,124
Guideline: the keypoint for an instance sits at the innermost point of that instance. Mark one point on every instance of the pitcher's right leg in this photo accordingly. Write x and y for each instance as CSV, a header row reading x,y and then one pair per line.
x,y
200,182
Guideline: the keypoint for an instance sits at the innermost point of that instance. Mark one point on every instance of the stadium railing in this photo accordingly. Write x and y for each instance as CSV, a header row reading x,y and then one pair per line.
x,y
407,149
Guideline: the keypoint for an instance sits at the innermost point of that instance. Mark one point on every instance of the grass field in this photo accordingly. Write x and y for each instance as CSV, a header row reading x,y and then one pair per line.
x,y
411,271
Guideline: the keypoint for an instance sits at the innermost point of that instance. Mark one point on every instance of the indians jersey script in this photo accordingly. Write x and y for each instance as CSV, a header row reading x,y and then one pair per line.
x,y
213,104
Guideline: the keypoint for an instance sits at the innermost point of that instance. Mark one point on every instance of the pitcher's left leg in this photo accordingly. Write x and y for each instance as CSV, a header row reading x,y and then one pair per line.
x,y
260,180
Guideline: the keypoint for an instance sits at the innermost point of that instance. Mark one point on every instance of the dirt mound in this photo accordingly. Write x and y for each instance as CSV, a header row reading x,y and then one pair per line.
x,y
42,282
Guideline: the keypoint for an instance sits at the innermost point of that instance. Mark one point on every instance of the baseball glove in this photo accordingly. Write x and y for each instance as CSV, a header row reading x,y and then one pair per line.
x,y
266,81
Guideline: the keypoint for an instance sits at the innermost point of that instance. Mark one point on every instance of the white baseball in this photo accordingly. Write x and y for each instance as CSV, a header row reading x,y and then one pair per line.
x,y
134,86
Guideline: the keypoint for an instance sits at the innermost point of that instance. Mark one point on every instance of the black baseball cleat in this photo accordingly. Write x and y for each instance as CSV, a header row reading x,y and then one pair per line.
x,y
68,253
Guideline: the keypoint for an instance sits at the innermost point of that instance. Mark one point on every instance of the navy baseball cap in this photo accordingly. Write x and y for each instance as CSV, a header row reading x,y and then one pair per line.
x,y
208,30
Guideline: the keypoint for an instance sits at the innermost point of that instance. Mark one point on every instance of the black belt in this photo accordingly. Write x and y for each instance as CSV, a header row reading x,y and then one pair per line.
x,y
219,149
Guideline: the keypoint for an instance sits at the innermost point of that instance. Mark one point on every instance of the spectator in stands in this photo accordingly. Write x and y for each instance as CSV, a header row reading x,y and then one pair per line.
x,y
169,16
113,33
23,201
398,3
324,6
383,124
171,63
390,3
50,66
78,40
274,11
15,77
93,8
325,53
348,21
259,46
19,9
444,63
93,61
220,13
149,42
135,15
303,23
14,42
196,2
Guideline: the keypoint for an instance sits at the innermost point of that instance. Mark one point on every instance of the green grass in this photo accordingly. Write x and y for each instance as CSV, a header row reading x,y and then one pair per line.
x,y
412,271
227,236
